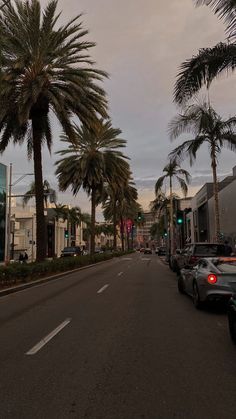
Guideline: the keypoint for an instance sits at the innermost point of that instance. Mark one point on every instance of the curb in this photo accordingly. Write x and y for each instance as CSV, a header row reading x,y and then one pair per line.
x,y
32,284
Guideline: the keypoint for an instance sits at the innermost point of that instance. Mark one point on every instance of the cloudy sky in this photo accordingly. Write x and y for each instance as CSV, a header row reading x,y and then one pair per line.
x,y
141,44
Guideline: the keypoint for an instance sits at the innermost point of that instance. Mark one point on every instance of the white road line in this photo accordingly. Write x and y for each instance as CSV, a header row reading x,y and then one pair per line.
x,y
103,288
120,273
47,338
146,259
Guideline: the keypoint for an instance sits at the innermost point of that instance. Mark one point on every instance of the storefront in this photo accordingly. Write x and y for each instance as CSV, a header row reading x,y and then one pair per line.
x,y
3,191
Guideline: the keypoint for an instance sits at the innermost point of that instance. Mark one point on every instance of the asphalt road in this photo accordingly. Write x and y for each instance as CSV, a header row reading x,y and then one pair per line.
x,y
130,347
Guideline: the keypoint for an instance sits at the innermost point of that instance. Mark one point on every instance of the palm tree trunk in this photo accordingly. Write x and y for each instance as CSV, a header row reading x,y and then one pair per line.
x,y
172,244
122,234
114,227
216,198
39,192
93,220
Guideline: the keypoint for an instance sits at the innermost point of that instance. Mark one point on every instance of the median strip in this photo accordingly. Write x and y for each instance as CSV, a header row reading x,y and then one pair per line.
x,y
103,289
47,338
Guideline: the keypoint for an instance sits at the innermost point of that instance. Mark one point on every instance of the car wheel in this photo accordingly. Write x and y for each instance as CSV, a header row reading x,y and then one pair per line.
x,y
196,298
180,285
232,325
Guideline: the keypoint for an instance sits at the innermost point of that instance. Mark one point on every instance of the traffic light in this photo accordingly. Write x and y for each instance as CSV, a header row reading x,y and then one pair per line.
x,y
165,232
139,216
180,217
66,234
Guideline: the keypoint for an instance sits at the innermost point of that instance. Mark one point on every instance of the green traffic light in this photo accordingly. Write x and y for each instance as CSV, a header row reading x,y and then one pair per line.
x,y
180,221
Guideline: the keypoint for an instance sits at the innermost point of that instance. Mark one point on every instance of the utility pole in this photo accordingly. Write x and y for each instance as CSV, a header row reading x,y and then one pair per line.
x,y
7,258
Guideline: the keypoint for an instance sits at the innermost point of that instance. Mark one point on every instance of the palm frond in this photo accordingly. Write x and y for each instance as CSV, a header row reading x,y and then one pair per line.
x,y
202,69
159,184
226,10
183,185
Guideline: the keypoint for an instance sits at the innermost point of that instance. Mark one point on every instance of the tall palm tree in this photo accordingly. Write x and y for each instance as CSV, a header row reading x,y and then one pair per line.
x,y
208,128
44,67
91,161
120,204
49,193
209,63
172,171
111,196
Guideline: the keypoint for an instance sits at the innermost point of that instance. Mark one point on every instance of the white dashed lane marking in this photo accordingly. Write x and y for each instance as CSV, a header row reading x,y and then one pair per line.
x,y
103,289
47,338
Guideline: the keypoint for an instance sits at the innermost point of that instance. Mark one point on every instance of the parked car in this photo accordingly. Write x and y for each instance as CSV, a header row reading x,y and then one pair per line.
x,y
212,279
232,317
161,251
148,251
191,254
142,249
71,251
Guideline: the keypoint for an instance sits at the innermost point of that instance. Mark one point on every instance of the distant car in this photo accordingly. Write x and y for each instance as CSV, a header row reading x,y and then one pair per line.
x,y
161,251
191,254
232,317
71,251
212,279
148,251
142,249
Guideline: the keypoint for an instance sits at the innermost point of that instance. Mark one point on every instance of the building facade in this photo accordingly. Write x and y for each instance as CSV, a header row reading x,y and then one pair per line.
x,y
3,194
203,209
143,235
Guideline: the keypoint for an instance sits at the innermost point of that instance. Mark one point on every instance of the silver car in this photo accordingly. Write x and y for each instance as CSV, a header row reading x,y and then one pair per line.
x,y
212,279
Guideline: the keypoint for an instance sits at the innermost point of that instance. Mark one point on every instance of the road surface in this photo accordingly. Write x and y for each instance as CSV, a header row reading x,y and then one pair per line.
x,y
115,341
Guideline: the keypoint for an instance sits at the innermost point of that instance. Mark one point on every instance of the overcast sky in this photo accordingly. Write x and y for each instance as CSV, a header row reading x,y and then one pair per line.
x,y
141,44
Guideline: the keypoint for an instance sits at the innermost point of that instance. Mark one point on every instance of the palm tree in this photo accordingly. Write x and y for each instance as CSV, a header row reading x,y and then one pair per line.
x,y
90,162
203,68
173,172
44,66
208,128
47,190
111,196
120,204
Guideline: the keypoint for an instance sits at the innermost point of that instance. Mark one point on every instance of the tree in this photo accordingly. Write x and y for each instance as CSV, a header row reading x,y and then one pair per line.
x,y
173,172
49,193
124,205
90,162
203,68
44,67
113,193
208,128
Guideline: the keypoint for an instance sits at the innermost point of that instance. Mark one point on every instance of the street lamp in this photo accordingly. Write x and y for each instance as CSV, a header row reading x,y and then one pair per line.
x,y
10,196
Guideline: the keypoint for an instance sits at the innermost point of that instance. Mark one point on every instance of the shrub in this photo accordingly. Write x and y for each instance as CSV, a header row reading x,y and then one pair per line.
x,y
17,273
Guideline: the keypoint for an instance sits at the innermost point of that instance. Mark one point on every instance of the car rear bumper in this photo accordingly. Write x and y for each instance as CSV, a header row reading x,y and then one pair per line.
x,y
216,295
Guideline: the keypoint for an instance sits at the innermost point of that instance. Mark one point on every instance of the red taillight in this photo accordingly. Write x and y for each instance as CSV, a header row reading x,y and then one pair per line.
x,y
212,279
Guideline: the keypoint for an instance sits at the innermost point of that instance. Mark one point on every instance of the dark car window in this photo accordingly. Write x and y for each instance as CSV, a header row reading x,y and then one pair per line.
x,y
71,249
209,250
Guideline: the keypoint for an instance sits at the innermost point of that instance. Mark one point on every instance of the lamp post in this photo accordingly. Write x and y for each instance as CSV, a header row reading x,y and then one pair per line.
x,y
10,196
